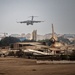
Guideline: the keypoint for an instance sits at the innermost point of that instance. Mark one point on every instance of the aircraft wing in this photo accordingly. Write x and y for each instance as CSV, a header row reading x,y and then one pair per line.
x,y
37,21
23,22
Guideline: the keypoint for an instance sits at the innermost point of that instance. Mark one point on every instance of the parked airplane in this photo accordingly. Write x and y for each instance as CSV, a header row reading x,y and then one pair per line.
x,y
31,22
37,52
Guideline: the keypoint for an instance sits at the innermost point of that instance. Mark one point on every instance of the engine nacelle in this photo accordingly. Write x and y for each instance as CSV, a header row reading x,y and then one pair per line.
x,y
27,23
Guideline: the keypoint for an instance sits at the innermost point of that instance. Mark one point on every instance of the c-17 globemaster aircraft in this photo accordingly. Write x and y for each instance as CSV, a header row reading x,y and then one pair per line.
x,y
30,22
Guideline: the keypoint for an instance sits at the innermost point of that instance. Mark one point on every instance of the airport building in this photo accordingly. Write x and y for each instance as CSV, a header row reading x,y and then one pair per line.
x,y
34,35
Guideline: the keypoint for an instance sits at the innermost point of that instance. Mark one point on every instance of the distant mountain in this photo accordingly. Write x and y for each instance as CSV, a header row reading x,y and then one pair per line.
x,y
67,38
71,37
46,36
28,36
15,35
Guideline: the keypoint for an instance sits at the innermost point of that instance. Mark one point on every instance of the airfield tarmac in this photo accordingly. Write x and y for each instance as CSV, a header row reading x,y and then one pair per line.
x,y
22,66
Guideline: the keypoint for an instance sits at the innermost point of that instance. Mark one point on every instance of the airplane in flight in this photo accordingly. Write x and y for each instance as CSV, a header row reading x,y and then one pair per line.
x,y
30,22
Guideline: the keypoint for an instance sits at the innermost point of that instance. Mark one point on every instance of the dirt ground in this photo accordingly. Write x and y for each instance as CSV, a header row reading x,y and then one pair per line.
x,y
22,66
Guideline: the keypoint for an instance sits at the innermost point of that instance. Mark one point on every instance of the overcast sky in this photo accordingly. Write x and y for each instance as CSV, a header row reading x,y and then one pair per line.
x,y
59,12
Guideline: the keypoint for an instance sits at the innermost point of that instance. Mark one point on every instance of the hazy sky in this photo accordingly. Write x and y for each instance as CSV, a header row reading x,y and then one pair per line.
x,y
59,12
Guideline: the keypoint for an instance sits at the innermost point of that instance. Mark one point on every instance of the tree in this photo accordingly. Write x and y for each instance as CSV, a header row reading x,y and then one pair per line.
x,y
73,42
64,40
8,40
72,56
28,40
45,42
